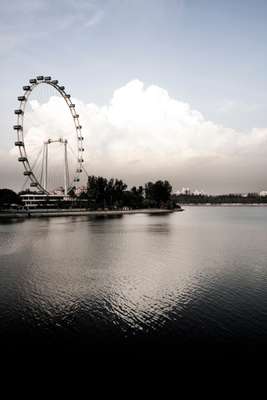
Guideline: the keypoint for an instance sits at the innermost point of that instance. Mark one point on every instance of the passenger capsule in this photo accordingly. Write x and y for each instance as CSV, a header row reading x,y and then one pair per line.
x,y
81,138
19,143
26,88
62,87
22,159
72,105
18,112
68,96
21,98
33,184
79,127
40,78
17,127
80,160
33,81
47,78
55,82
81,149
78,170
76,116
27,173
76,180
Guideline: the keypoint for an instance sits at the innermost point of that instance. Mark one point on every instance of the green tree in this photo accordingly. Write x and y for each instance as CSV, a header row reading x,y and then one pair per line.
x,y
118,189
158,194
134,198
96,190
8,197
72,193
104,193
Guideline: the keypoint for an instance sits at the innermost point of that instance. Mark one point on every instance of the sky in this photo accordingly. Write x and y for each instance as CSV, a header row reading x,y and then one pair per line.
x,y
166,89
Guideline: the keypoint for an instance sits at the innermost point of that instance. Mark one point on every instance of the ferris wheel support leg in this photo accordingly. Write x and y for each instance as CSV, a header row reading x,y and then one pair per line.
x,y
66,169
45,164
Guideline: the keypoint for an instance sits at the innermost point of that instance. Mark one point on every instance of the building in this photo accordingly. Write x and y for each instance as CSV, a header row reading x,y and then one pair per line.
x,y
52,201
37,200
188,192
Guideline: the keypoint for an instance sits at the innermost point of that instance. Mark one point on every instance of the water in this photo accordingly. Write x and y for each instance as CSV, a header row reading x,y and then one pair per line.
x,y
191,283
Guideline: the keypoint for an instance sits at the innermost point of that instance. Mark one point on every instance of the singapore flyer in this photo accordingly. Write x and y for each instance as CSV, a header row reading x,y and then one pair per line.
x,y
50,149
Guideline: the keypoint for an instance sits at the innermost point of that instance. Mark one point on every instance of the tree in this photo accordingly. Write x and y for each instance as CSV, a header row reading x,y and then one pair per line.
x,y
118,189
96,188
134,198
72,193
158,194
104,193
8,197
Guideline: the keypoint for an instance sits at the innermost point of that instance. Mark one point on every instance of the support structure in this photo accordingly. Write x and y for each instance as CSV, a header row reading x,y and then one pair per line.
x,y
66,169
45,164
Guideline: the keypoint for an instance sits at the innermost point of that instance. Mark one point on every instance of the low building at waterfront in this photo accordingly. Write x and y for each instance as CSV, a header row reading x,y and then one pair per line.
x,y
43,201
37,200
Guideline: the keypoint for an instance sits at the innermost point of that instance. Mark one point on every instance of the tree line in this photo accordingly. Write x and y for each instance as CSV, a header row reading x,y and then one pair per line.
x,y
8,197
104,193
231,198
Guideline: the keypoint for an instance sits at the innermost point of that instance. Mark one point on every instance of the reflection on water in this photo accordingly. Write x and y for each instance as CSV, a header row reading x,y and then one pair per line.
x,y
182,277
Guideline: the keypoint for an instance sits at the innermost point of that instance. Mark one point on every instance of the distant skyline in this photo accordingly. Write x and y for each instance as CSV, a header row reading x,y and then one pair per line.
x,y
166,89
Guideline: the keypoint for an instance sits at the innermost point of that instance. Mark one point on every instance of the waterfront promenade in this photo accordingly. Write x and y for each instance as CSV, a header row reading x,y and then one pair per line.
x,y
77,212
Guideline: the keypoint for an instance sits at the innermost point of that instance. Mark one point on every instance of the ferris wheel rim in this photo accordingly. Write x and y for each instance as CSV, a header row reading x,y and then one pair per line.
x,y
28,89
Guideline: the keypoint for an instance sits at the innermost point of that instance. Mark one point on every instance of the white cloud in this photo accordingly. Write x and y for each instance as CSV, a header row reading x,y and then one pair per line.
x,y
143,134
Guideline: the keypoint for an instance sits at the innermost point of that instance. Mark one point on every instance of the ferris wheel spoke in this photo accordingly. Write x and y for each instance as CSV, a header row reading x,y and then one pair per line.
x,y
25,183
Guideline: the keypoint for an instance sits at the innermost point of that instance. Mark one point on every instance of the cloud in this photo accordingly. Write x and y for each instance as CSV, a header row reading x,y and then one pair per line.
x,y
145,134
10,173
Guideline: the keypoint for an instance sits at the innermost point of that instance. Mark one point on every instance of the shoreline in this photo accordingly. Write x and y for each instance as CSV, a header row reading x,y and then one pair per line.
x,y
13,214
79,212
224,205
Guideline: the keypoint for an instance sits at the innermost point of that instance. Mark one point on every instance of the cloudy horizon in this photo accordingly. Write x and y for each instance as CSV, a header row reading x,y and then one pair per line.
x,y
143,134
164,91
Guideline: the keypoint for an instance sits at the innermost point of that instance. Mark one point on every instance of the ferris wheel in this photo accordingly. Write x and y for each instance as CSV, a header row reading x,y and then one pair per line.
x,y
36,155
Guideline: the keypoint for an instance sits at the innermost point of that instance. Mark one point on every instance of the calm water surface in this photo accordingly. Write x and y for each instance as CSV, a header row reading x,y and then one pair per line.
x,y
173,282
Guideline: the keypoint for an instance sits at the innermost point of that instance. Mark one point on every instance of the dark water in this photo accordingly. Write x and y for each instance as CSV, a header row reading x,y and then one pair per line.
x,y
186,284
